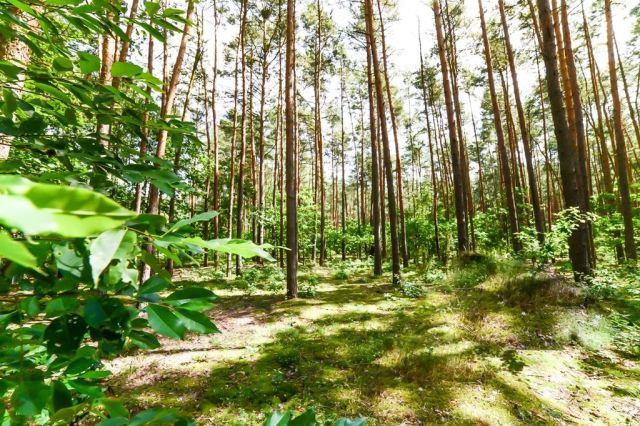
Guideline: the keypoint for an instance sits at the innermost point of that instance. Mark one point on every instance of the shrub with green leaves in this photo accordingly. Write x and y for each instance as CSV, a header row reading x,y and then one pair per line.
x,y
71,295
308,418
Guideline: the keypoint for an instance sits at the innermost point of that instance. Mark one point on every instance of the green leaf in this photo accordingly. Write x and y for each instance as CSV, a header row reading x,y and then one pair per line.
x,y
165,322
278,419
125,69
154,284
348,422
202,217
61,397
233,246
103,249
151,7
10,102
43,209
144,340
79,366
53,91
66,416
308,418
86,388
61,305
64,334
61,63
29,398
88,63
15,251
114,407
23,7
196,321
30,306
115,421
191,298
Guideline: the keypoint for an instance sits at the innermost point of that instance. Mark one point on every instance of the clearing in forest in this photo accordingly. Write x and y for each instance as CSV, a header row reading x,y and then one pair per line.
x,y
482,344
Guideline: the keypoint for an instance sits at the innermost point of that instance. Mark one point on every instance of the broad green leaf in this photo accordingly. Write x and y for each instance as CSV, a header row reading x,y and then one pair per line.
x,y
15,251
23,7
61,63
241,248
103,249
10,102
86,388
194,298
196,321
43,209
151,7
154,284
88,63
30,306
80,365
64,334
202,217
308,418
144,340
53,91
29,398
62,305
61,397
349,422
114,421
165,322
114,407
66,416
125,69
278,419
155,416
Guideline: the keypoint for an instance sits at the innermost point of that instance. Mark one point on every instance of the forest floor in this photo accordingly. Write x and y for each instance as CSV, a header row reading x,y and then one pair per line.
x,y
481,346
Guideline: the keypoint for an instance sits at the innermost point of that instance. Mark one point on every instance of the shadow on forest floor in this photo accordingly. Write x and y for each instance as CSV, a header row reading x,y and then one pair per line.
x,y
501,347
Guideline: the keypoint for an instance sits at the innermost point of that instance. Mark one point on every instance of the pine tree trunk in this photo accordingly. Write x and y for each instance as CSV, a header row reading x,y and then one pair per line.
x,y
579,239
621,149
375,170
524,132
506,172
291,158
458,187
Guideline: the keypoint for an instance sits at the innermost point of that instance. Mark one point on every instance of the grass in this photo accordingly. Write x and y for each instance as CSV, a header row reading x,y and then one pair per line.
x,y
487,343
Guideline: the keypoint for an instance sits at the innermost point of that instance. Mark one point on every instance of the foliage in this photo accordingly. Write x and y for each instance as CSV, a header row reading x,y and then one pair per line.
x,y
308,285
555,243
412,289
308,418
71,275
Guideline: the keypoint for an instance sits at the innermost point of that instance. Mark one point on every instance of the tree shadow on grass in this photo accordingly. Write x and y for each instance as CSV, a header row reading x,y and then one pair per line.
x,y
391,365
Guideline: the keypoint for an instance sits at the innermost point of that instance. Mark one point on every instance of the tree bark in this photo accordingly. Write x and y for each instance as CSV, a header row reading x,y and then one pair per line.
x,y
579,239
621,148
458,186
524,132
506,172
292,195
377,77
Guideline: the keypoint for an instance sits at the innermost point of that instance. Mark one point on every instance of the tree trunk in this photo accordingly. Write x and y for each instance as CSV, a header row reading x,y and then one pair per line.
x,y
524,132
458,186
167,105
506,172
394,125
375,170
621,148
292,195
579,239
393,221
